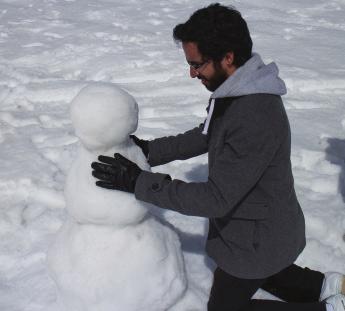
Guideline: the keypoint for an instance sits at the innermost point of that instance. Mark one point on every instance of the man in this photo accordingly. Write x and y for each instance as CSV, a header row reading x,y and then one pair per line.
x,y
256,228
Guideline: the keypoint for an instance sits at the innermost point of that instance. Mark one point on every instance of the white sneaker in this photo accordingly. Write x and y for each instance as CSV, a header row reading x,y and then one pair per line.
x,y
337,302
332,285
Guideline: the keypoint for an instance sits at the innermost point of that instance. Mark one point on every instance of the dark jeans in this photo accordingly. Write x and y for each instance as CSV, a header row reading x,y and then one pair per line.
x,y
299,288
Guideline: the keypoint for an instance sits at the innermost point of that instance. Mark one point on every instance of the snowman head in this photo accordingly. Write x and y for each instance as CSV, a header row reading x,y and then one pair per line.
x,y
103,116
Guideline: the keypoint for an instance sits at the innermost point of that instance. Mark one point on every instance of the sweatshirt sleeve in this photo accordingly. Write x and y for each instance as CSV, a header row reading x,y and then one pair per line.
x,y
183,146
248,149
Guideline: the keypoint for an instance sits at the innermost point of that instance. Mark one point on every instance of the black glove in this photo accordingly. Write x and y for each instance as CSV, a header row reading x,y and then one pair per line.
x,y
143,144
117,173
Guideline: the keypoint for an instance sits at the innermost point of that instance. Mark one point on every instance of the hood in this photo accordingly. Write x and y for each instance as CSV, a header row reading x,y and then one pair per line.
x,y
254,77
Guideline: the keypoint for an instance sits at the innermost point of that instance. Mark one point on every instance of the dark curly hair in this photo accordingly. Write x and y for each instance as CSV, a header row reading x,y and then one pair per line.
x,y
216,30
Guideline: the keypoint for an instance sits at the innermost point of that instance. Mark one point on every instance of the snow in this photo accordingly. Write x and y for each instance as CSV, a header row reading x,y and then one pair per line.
x,y
103,115
49,50
111,251
98,267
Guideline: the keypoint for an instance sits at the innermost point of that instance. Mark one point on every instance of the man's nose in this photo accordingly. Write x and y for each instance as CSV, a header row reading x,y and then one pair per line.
x,y
193,72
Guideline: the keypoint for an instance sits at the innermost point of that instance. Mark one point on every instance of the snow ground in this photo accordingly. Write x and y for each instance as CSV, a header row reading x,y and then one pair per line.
x,y
50,49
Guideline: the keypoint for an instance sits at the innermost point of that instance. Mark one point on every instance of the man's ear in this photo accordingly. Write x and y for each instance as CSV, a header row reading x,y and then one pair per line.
x,y
228,63
229,59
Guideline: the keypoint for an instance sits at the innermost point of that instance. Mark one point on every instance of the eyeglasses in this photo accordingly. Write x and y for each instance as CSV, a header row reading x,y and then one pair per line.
x,y
198,66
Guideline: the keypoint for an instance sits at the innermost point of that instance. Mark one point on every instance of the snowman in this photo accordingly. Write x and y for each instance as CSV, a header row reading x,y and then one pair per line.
x,y
111,254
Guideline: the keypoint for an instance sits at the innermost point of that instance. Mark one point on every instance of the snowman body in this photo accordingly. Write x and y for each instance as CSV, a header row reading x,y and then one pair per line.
x,y
111,254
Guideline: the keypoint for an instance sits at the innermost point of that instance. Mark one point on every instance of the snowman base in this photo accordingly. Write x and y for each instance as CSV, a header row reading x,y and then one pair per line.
x,y
111,268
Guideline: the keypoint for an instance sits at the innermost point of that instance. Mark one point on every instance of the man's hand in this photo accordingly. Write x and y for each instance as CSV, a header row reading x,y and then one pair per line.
x,y
142,143
116,173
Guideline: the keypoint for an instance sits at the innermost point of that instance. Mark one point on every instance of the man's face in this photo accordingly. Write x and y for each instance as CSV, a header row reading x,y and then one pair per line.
x,y
211,73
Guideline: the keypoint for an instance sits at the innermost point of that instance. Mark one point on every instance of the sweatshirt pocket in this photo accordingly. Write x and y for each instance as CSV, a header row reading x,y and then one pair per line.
x,y
243,228
253,211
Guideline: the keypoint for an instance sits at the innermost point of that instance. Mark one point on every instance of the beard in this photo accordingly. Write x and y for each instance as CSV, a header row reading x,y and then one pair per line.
x,y
213,82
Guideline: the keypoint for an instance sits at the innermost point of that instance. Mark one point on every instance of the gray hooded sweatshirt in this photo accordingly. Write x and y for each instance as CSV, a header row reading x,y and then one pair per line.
x,y
256,226
254,77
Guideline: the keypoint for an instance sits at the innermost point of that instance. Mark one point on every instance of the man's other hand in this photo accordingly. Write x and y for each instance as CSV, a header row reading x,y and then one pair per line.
x,y
143,144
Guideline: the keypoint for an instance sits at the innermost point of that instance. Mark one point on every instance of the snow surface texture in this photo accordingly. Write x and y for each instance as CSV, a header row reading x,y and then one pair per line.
x,y
111,253
49,50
